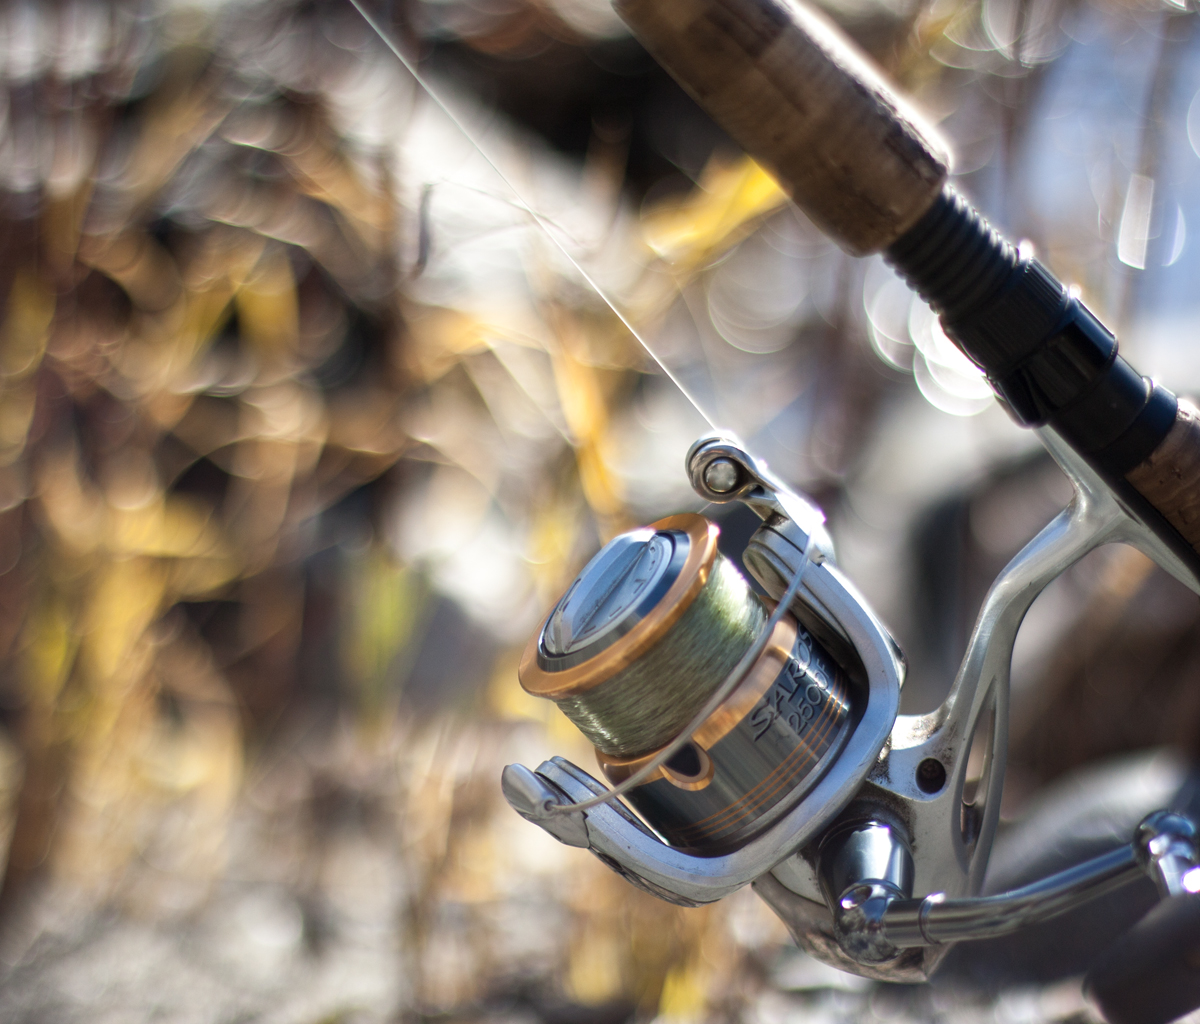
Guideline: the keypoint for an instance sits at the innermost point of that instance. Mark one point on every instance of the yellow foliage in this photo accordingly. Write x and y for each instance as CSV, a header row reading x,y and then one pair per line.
x,y
690,232
685,992
266,306
23,335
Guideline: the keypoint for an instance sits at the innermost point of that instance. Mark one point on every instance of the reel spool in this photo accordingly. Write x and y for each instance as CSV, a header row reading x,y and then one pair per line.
x,y
645,634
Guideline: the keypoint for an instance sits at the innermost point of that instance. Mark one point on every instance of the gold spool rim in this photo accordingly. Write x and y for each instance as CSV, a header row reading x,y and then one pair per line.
x,y
702,554
721,722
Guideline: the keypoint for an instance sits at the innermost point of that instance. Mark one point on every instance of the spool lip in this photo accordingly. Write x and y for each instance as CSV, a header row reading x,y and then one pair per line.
x,y
721,722
702,553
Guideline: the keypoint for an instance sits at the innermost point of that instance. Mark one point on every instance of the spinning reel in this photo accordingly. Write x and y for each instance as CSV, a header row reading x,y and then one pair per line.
x,y
851,821
763,745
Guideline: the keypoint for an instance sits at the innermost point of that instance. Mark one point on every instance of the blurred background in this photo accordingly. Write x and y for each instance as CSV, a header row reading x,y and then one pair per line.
x,y
318,384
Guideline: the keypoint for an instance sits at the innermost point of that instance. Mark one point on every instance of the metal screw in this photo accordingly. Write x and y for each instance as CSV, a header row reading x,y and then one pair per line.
x,y
721,476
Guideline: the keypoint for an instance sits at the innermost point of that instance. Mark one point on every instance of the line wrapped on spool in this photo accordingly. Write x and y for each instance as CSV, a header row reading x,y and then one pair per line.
x,y
637,693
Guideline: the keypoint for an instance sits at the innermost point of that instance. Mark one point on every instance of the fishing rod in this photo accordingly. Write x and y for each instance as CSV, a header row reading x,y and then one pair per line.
x,y
760,742
866,169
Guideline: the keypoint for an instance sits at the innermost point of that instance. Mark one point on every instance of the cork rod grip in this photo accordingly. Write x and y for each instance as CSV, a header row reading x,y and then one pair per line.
x,y
801,99
1169,477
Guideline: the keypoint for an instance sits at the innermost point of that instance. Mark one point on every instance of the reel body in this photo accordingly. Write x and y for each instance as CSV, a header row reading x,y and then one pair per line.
x,y
647,631
764,747
848,819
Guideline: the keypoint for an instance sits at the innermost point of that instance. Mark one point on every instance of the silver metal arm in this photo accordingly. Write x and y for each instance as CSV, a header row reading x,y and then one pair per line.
x,y
873,919
949,858
935,920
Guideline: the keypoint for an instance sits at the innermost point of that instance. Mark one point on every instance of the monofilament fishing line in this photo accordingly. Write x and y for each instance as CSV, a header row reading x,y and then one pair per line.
x,y
654,624
719,619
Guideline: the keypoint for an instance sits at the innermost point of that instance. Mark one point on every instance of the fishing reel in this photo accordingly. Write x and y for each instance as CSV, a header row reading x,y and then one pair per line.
x,y
758,742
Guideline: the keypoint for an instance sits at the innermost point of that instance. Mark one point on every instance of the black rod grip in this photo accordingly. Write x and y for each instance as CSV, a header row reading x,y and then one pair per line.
x,y
1047,357
1052,362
